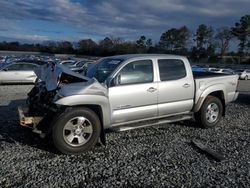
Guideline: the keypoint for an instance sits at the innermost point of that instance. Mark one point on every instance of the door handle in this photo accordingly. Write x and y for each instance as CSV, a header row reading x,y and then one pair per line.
x,y
186,85
151,89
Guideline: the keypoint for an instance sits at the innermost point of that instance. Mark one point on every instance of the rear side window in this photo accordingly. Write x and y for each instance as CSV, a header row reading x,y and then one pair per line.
x,y
171,69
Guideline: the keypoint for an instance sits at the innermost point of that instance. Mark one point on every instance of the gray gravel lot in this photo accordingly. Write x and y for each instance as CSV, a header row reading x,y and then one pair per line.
x,y
159,156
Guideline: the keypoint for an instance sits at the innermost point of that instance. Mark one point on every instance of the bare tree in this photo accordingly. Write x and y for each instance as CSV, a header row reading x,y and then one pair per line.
x,y
223,37
242,32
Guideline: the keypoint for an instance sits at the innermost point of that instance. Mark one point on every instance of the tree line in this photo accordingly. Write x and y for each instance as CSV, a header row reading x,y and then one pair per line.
x,y
205,42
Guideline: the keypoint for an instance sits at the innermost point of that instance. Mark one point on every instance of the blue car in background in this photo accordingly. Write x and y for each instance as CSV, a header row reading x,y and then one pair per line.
x,y
196,68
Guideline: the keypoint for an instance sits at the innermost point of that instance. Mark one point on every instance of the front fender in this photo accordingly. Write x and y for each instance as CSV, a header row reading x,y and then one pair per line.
x,y
77,100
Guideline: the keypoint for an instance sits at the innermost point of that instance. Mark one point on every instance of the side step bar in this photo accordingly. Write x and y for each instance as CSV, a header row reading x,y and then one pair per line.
x,y
151,123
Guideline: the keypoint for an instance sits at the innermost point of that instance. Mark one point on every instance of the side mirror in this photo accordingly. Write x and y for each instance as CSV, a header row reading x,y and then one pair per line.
x,y
115,81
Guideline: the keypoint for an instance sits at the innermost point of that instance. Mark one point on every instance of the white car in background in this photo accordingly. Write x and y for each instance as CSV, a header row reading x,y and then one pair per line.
x,y
18,73
244,74
214,70
218,70
227,71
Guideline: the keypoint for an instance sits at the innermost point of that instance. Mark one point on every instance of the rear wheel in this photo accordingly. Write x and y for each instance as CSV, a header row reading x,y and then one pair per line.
x,y
210,113
76,130
246,78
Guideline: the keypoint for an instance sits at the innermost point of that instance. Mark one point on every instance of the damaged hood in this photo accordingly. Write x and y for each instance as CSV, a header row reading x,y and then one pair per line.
x,y
55,74
91,87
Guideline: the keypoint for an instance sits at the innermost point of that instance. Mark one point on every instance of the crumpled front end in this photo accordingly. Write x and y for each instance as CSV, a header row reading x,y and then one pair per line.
x,y
58,82
52,79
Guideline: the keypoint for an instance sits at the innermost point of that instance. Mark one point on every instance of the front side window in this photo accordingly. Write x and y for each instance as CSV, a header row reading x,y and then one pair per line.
x,y
136,72
171,69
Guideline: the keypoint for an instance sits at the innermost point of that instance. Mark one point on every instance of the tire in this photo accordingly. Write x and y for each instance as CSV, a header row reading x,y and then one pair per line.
x,y
210,112
246,78
76,130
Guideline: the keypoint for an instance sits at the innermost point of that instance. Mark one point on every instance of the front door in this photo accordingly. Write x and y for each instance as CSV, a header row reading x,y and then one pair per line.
x,y
134,94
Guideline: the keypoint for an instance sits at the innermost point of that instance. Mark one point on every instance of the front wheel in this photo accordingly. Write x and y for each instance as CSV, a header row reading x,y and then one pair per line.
x,y
246,77
76,130
210,113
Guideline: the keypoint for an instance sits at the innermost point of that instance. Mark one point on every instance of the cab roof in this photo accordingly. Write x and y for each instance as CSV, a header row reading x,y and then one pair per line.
x,y
139,56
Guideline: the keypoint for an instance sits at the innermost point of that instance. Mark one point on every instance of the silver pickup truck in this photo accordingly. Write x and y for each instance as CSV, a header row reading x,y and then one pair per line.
x,y
122,93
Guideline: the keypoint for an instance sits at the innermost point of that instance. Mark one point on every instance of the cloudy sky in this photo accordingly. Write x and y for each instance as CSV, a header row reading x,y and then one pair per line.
x,y
72,20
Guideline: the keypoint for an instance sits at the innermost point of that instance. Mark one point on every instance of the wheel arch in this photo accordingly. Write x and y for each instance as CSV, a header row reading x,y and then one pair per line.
x,y
99,112
98,109
69,113
218,93
98,103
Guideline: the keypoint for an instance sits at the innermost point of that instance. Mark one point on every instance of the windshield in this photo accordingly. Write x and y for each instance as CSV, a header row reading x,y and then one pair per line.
x,y
103,69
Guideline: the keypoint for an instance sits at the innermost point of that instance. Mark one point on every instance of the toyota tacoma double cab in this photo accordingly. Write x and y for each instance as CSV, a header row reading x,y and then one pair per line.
x,y
121,93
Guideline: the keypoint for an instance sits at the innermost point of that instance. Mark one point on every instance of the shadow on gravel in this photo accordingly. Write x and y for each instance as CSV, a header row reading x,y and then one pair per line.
x,y
204,150
11,132
189,124
243,98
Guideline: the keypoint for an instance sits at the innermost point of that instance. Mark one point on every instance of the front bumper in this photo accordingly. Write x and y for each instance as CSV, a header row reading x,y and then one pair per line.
x,y
28,121
24,121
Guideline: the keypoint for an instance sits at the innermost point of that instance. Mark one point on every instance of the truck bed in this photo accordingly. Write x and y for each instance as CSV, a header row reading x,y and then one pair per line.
x,y
224,82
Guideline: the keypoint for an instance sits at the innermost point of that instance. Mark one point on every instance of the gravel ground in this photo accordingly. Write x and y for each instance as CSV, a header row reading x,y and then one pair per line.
x,y
159,156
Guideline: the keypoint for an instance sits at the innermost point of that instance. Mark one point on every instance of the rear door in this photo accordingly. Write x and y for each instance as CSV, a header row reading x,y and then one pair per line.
x,y
134,93
176,87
